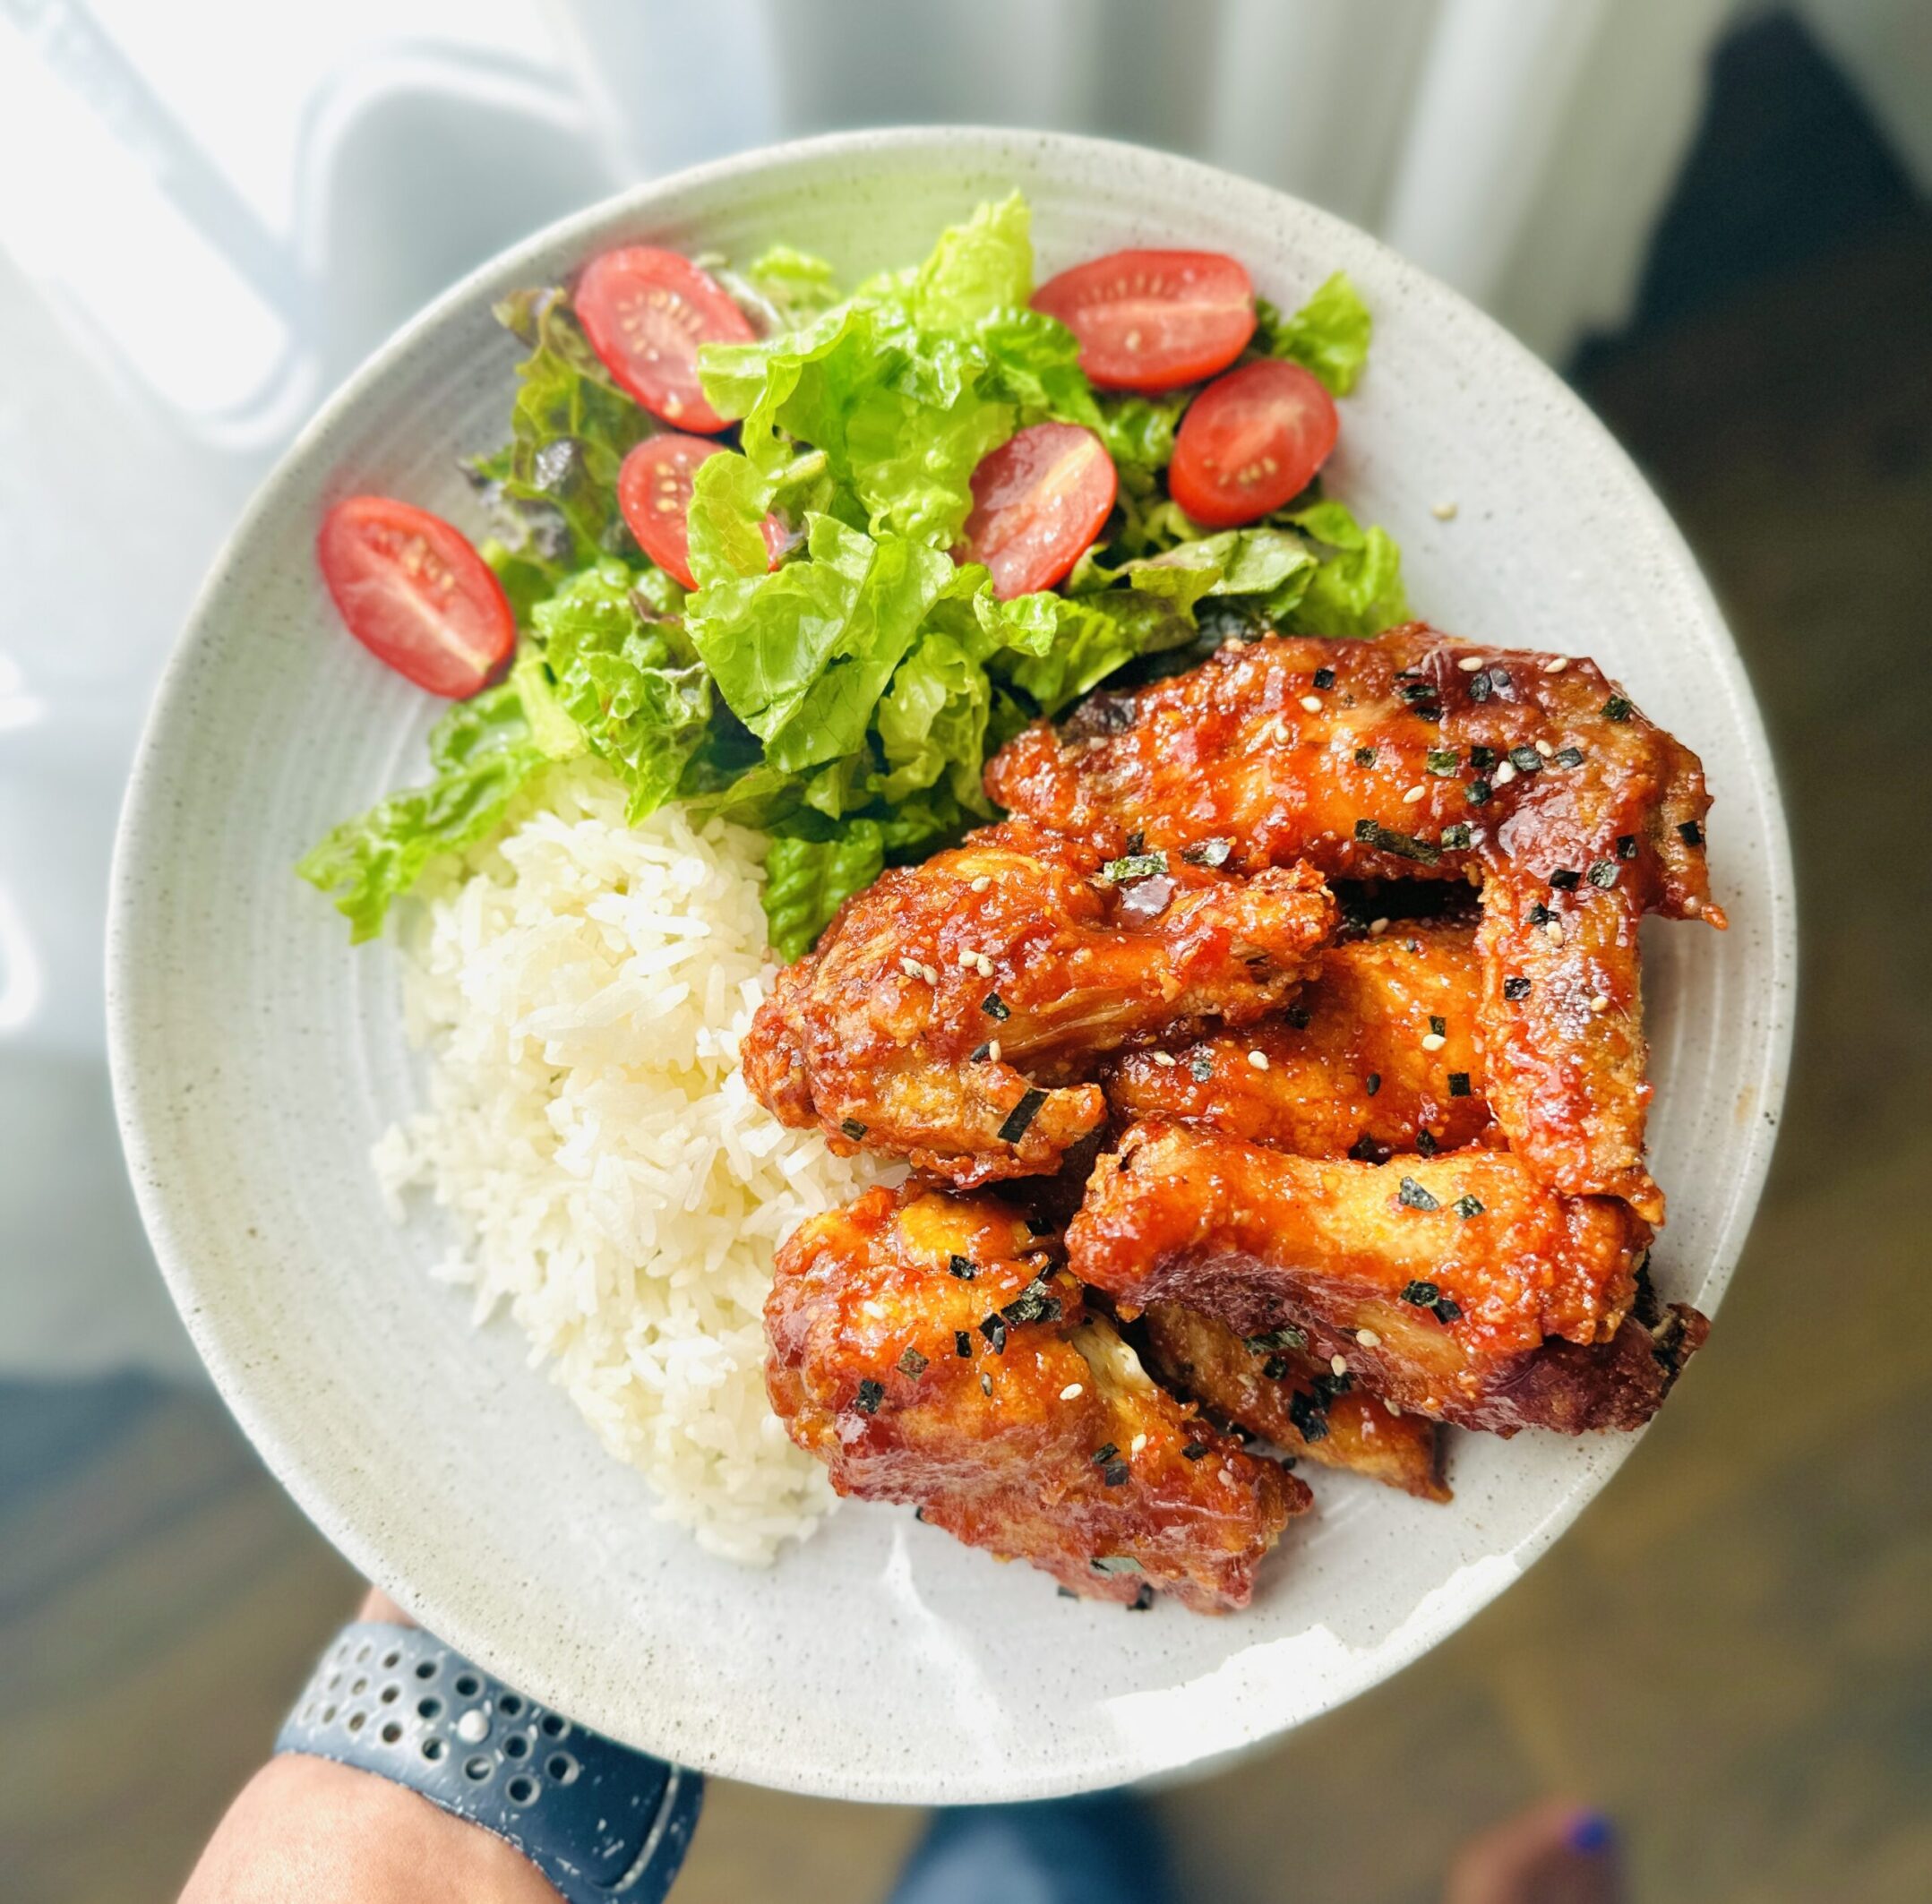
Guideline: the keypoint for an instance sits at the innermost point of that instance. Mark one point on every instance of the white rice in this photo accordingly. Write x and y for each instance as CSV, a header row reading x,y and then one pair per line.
x,y
580,986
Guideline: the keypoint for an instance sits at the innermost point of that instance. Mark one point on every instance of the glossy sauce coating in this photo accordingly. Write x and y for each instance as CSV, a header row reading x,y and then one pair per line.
x,y
1279,1392
1357,1067
1342,1250
1044,1441
1368,760
954,1011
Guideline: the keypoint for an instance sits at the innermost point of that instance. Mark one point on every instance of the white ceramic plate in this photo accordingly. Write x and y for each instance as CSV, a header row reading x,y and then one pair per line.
x,y
256,1057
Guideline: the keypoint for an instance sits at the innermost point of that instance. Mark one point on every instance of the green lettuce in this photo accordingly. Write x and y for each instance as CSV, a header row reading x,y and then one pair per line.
x,y
806,880
1356,587
1328,335
624,674
554,483
483,753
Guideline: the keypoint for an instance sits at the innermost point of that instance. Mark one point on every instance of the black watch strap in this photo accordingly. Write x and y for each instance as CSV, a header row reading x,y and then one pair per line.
x,y
598,1819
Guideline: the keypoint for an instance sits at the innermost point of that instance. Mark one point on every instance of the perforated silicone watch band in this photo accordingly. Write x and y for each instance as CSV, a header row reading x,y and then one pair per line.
x,y
598,1819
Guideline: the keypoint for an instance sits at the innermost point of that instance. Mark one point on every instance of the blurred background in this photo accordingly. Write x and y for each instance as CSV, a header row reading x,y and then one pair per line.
x,y
1710,216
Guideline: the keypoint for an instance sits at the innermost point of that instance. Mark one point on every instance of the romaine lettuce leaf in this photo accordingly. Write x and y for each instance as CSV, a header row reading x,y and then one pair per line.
x,y
807,880
630,681
1328,335
483,754
1356,586
802,654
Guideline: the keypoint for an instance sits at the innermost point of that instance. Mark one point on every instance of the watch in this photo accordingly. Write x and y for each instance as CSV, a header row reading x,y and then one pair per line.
x,y
599,1819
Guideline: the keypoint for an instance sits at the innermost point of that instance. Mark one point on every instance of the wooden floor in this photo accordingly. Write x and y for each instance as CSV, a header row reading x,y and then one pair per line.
x,y
1732,1651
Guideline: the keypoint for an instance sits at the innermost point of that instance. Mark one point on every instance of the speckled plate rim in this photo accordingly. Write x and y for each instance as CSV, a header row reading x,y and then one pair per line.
x,y
497,1647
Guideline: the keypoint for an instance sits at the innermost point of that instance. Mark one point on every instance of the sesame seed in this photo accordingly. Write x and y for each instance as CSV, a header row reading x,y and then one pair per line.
x,y
1072,1392
1556,664
1553,931
1312,703
1415,794
1165,1060
1443,511
1390,1406
992,1052
968,958
1434,1041
985,965
1258,1059
1543,747
1136,1444
1505,773
929,974
1377,927
1469,664
980,884
912,968
1600,1004
1339,1364
1367,1338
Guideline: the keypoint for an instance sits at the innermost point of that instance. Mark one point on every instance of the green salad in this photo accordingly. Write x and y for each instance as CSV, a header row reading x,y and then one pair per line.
x,y
836,661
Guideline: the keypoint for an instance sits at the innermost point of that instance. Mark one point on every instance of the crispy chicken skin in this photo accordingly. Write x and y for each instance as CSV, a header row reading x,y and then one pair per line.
x,y
1347,1071
954,1010
1439,1281
1279,1392
1581,815
925,1347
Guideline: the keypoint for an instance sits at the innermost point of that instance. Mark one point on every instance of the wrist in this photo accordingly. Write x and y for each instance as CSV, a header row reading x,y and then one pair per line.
x,y
310,1829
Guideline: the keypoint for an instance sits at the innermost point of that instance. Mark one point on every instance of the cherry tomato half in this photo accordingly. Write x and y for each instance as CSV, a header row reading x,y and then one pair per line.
x,y
1038,501
645,312
1250,442
654,492
1148,320
415,594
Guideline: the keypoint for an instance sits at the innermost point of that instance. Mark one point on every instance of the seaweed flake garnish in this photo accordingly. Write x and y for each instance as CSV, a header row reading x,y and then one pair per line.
x,y
1209,853
1021,1115
1467,1207
914,1364
870,1394
994,1330
1412,1195
1617,708
1516,988
1690,833
962,1343
1458,1084
852,1128
963,1267
1603,873
1202,1066
1423,1295
1569,757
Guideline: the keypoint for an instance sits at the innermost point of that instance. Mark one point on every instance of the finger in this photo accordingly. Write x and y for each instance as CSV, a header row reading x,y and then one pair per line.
x,y
1555,1853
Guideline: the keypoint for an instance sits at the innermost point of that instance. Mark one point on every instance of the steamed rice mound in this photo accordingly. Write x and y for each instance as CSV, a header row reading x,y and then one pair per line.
x,y
579,986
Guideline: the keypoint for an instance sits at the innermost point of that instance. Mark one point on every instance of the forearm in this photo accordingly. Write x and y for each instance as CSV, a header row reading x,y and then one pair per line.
x,y
306,1831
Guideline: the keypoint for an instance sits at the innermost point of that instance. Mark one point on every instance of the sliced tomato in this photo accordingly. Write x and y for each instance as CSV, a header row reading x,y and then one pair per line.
x,y
415,594
1148,320
1250,442
654,492
645,312
1038,501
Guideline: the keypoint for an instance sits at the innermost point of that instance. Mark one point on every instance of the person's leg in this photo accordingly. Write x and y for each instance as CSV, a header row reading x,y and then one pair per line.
x,y
1101,1849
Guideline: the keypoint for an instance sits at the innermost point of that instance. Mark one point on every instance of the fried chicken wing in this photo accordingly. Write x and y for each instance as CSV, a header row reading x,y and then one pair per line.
x,y
1277,1391
1416,756
926,1348
953,1010
1457,1286
1375,1057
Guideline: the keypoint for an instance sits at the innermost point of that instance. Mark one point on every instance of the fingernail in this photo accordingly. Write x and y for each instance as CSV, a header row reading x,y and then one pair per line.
x,y
1591,1832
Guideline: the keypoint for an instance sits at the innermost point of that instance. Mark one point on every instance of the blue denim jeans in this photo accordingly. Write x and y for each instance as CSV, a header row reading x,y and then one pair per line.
x,y
1101,1849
